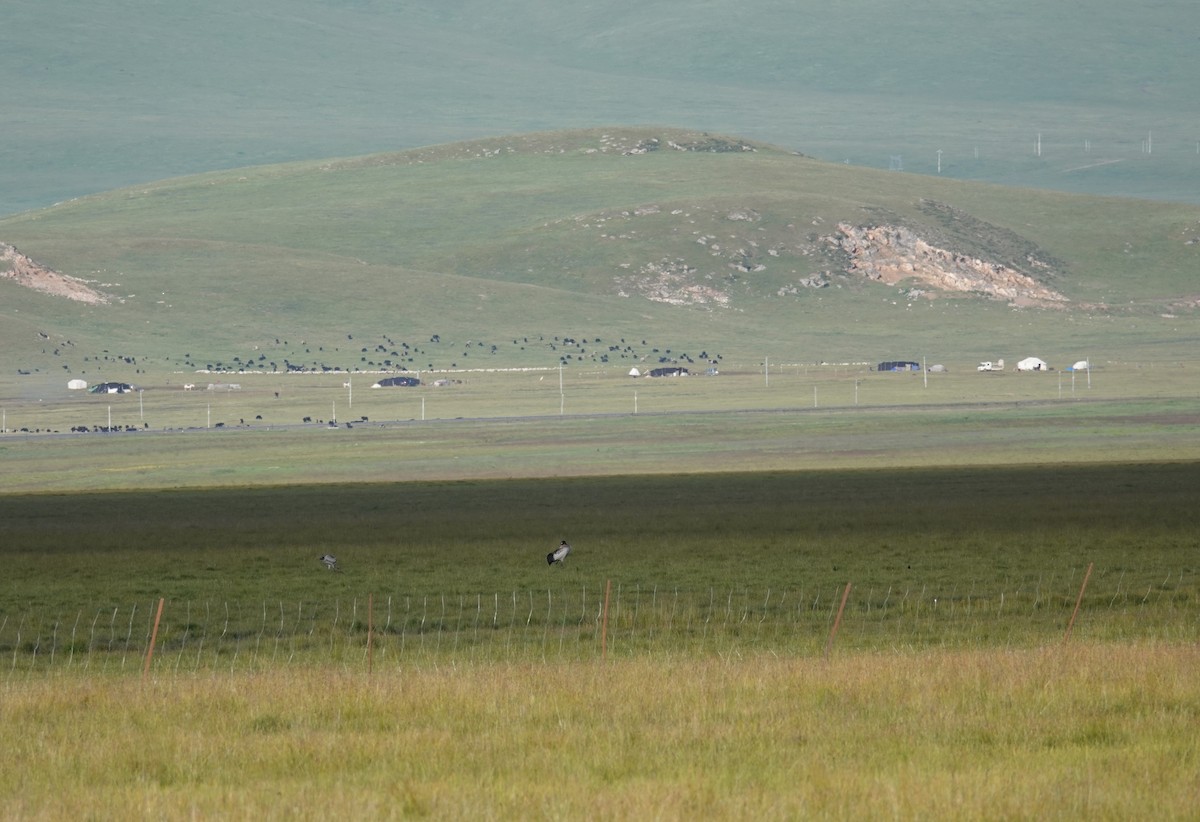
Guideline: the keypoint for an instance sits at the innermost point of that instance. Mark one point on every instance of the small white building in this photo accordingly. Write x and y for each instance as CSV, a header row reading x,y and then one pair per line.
x,y
1032,364
77,385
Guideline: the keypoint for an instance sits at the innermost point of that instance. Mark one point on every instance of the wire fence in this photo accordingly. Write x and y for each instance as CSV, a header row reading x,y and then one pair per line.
x,y
619,619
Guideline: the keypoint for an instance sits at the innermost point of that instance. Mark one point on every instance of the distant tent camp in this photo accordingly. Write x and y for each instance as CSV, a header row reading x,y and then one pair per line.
x,y
111,388
1032,364
397,382
673,371
898,365
77,385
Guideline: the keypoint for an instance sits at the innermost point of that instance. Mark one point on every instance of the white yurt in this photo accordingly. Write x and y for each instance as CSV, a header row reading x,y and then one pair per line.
x,y
77,385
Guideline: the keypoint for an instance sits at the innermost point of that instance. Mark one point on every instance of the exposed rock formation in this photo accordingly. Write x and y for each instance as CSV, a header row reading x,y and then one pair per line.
x,y
893,254
26,272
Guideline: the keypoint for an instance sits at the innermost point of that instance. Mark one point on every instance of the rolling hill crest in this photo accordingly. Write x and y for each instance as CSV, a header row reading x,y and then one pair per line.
x,y
595,233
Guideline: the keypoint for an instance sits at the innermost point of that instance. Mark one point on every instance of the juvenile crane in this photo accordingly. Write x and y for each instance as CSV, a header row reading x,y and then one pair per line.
x,y
558,554
330,561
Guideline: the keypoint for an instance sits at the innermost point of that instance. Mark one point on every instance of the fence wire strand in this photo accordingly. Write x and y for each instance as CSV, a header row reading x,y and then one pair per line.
x,y
567,623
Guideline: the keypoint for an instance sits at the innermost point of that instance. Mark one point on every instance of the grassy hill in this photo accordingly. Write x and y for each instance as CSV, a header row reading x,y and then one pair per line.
x,y
584,247
102,96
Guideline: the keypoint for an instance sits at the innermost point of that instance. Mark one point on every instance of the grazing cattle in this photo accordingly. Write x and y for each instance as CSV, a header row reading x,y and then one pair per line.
x,y
558,554
330,561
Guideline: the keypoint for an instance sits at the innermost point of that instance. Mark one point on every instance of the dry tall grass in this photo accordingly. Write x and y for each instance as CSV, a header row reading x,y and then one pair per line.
x,y
1094,731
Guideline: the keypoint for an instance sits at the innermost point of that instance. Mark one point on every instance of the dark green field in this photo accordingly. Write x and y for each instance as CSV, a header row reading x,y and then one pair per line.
x,y
974,557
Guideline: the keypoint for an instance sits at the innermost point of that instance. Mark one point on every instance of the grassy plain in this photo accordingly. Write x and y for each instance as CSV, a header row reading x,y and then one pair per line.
x,y
967,555
446,670
1092,732
728,514
489,686
723,515
599,422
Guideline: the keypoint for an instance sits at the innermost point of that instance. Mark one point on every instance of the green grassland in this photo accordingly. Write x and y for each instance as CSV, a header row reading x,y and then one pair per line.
x,y
682,662
445,670
514,424
688,659
1092,732
937,556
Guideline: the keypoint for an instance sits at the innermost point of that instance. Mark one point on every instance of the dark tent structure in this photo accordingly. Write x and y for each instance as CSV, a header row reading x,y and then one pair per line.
x,y
397,382
898,365
111,388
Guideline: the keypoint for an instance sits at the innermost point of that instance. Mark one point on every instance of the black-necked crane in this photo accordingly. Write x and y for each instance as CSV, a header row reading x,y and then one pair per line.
x,y
558,554
330,561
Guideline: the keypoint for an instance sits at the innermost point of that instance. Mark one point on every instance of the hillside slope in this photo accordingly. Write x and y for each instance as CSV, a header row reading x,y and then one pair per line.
x,y
512,251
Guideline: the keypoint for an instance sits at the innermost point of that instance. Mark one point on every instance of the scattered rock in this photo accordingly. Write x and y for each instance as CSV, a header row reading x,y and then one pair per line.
x,y
673,282
710,144
743,215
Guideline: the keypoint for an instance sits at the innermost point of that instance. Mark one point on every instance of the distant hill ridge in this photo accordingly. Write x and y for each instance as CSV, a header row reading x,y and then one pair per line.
x,y
687,242
1018,92
887,253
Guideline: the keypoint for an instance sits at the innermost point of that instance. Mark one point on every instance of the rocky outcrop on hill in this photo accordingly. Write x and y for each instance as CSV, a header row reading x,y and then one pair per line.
x,y
745,252
894,254
24,271
672,281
